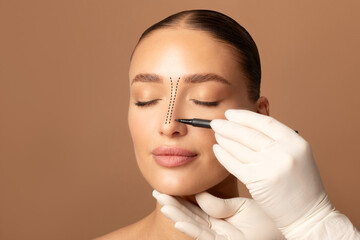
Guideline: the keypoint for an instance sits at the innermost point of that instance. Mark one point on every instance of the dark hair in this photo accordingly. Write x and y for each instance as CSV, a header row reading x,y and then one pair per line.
x,y
225,29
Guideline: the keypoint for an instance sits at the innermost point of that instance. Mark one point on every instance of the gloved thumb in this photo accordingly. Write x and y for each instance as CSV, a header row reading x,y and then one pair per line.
x,y
218,207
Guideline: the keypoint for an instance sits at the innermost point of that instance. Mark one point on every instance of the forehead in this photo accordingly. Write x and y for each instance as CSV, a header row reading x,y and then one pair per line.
x,y
178,52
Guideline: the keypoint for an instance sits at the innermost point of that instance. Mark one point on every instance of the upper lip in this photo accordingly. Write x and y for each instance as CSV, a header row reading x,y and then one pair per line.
x,y
172,151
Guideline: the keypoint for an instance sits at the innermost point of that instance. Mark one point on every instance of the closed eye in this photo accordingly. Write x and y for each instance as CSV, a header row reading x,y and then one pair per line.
x,y
147,103
205,103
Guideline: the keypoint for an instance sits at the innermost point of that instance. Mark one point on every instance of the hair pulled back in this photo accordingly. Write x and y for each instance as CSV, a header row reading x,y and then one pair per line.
x,y
225,29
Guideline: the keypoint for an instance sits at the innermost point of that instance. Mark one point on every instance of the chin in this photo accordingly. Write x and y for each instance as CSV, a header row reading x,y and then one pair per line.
x,y
174,186
180,193
185,187
177,191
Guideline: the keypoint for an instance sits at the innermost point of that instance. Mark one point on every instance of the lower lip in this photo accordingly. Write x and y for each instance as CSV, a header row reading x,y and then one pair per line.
x,y
173,160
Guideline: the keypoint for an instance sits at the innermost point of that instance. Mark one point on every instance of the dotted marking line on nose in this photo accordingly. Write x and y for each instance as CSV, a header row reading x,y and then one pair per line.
x,y
174,97
173,93
167,121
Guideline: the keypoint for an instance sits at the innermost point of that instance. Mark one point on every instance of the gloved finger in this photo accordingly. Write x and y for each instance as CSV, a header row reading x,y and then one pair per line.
x,y
195,210
239,151
250,216
218,207
177,215
217,227
164,199
243,213
265,124
222,227
246,173
251,138
188,208
197,232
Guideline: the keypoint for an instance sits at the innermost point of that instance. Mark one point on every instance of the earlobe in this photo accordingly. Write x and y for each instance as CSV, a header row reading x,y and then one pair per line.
x,y
262,106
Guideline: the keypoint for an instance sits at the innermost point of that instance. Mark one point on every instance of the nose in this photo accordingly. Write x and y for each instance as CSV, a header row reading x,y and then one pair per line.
x,y
170,127
173,129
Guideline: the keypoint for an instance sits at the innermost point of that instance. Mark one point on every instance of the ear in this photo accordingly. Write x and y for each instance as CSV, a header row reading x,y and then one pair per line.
x,y
262,106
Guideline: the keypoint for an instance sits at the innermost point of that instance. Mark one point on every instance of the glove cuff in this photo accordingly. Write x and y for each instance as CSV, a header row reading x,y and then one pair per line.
x,y
303,226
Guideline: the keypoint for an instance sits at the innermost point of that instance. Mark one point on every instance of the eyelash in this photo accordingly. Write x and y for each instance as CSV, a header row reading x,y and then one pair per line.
x,y
207,104
144,104
149,103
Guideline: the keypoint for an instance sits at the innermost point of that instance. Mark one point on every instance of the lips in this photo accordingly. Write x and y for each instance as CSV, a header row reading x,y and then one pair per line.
x,y
172,156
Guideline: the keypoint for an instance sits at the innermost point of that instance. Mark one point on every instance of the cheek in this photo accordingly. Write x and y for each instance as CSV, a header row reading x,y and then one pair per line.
x,y
143,119
141,128
133,122
213,171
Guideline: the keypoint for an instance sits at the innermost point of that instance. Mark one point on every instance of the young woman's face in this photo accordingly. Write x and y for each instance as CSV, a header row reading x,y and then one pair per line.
x,y
179,73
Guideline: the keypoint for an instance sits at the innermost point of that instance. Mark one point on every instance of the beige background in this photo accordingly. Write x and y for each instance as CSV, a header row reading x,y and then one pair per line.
x,y
67,167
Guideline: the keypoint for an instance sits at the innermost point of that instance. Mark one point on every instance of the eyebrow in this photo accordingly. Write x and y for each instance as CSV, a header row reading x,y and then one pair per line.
x,y
190,78
146,77
204,77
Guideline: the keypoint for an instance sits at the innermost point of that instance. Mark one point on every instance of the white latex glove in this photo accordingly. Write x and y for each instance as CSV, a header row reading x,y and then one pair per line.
x,y
220,219
277,166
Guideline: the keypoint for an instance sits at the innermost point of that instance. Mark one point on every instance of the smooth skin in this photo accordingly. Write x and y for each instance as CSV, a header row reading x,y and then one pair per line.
x,y
182,53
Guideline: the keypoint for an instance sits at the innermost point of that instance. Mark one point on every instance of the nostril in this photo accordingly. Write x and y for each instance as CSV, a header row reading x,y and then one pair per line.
x,y
173,129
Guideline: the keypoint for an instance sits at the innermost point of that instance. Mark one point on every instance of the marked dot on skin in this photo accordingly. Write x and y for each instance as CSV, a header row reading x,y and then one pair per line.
x,y
171,97
173,92
173,102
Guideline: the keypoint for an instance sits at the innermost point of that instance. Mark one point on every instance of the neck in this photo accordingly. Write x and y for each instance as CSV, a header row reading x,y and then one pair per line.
x,y
164,227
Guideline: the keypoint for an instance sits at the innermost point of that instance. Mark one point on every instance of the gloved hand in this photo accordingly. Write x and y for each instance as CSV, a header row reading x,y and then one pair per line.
x,y
277,166
230,219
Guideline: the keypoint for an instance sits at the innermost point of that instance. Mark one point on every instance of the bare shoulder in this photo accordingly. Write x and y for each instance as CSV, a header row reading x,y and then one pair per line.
x,y
130,232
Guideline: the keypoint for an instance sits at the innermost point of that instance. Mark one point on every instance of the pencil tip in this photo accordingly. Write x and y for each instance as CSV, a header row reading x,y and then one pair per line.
x,y
186,121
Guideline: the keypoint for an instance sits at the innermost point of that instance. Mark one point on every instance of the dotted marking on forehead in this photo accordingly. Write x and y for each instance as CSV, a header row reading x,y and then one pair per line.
x,y
173,92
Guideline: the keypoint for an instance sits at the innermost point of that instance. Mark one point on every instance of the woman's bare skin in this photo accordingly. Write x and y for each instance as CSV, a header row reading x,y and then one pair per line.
x,y
157,226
